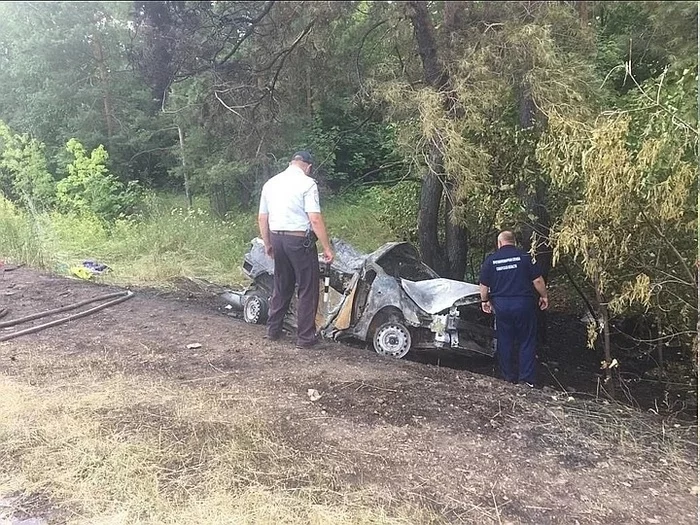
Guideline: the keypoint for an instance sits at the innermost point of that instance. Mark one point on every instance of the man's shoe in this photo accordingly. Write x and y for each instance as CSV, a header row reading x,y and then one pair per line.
x,y
310,344
527,384
272,337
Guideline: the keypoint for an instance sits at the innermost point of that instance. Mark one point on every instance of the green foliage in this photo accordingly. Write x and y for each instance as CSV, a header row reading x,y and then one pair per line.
x,y
633,227
23,170
344,215
161,245
89,188
23,236
641,39
351,146
346,80
65,74
397,208
322,142
165,241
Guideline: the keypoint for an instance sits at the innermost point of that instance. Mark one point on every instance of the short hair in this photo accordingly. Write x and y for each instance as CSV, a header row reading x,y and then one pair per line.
x,y
507,237
303,156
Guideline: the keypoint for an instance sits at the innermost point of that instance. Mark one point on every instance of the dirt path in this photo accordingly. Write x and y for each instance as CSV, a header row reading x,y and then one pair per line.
x,y
468,446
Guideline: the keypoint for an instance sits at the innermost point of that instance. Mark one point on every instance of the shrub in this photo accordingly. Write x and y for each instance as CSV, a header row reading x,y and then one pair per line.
x,y
397,208
24,176
91,189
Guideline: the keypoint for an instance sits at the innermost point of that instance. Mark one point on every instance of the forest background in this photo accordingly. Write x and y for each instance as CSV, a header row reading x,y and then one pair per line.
x,y
139,134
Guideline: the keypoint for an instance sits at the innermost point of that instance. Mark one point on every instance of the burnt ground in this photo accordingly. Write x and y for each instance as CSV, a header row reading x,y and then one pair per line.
x,y
436,429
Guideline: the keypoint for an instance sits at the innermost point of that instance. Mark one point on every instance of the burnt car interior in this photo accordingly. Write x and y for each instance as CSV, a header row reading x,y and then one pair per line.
x,y
403,262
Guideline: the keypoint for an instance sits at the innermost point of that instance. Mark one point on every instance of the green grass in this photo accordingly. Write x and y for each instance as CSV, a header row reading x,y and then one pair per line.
x,y
357,222
164,242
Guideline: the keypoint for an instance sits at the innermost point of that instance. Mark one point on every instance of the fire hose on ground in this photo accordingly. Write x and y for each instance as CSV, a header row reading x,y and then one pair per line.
x,y
117,297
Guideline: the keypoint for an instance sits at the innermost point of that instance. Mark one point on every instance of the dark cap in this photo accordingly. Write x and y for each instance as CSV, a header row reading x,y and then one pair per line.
x,y
303,156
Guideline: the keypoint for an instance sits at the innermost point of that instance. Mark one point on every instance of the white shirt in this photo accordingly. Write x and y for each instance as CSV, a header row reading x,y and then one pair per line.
x,y
287,198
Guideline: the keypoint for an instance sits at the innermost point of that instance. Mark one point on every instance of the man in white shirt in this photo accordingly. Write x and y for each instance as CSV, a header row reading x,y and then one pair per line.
x,y
289,213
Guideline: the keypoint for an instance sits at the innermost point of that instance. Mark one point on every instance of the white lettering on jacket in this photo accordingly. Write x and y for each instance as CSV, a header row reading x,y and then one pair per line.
x,y
508,260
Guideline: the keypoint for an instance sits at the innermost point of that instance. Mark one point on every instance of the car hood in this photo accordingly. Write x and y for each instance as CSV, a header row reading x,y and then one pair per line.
x,y
347,259
435,295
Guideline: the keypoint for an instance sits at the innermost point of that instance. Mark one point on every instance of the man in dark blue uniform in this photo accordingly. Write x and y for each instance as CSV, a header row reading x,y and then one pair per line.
x,y
508,281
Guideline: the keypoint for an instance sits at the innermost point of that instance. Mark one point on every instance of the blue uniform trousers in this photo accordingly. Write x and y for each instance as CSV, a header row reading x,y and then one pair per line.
x,y
516,335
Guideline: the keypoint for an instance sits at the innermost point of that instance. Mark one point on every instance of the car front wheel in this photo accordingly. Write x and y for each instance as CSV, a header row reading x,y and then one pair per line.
x,y
392,339
255,309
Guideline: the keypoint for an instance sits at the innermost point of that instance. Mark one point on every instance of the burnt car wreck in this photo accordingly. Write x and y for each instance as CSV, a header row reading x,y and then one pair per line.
x,y
388,297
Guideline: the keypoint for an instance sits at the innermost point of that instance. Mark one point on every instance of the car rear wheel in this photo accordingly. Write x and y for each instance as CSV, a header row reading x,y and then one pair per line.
x,y
255,309
392,339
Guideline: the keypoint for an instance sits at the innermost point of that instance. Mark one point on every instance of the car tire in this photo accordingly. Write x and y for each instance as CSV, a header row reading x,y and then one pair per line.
x,y
255,308
392,339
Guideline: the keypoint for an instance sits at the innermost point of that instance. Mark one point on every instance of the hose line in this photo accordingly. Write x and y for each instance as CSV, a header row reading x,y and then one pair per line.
x,y
120,298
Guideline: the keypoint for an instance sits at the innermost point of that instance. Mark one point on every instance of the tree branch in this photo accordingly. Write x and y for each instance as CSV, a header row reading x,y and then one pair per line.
x,y
668,243
357,181
359,50
151,151
305,32
216,94
248,32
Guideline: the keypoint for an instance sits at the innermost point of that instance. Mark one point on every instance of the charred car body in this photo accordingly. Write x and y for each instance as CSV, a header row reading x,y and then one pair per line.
x,y
388,297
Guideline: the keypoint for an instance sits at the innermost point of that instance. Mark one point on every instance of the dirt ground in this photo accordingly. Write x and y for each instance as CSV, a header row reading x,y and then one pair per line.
x,y
438,430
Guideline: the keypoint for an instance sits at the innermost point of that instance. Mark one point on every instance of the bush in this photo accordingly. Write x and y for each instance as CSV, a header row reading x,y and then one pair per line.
x,y
91,189
24,175
397,208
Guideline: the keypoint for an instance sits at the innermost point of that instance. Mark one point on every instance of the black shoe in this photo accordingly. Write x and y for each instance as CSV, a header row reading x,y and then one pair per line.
x,y
270,337
308,345
527,384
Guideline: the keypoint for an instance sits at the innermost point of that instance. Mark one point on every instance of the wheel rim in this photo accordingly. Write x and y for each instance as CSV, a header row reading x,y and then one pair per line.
x,y
392,340
252,310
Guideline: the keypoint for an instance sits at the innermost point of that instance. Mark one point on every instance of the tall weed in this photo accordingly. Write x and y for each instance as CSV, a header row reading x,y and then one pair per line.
x,y
165,241
22,238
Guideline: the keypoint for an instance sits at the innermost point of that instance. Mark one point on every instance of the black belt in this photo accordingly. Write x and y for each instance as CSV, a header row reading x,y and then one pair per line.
x,y
294,233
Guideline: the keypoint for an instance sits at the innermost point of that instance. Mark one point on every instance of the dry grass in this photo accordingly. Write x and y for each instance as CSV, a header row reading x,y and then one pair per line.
x,y
122,451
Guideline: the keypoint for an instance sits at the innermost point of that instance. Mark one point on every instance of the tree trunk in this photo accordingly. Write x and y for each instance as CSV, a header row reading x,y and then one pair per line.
x,y
433,72
453,15
456,247
697,261
218,199
450,259
309,98
428,212
188,195
603,311
582,8
104,81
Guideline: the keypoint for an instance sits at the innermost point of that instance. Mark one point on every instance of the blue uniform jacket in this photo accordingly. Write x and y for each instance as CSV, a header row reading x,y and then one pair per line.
x,y
509,272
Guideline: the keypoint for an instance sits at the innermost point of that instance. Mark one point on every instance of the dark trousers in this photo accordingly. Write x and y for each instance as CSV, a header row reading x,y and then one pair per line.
x,y
295,264
516,335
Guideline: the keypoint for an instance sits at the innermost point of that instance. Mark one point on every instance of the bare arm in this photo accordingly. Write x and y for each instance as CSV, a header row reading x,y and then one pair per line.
x,y
264,226
319,227
485,302
541,288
